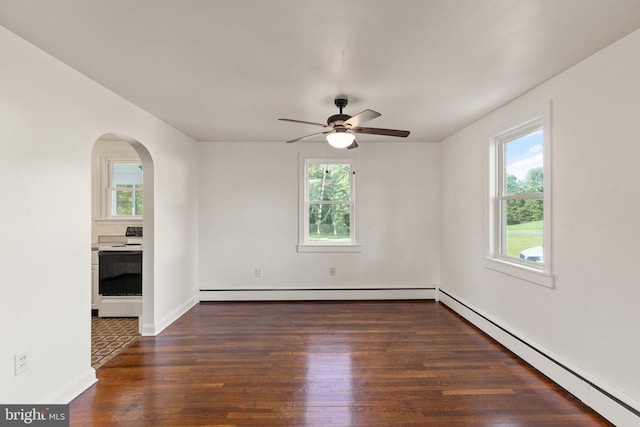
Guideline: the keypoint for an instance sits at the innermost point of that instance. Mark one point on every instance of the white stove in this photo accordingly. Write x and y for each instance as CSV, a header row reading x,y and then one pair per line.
x,y
120,274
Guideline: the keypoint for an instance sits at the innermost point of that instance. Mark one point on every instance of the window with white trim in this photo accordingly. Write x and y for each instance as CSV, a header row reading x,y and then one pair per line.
x,y
123,190
519,200
328,205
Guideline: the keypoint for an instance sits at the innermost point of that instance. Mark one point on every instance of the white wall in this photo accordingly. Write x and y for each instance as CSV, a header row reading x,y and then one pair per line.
x,y
50,118
590,320
249,218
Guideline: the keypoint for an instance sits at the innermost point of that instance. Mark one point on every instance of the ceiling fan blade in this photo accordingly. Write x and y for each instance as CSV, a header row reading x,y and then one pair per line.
x,y
303,122
361,117
378,131
302,138
354,144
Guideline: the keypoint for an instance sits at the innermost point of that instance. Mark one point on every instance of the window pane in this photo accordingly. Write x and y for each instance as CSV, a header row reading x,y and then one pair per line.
x,y
524,229
329,222
523,163
329,182
126,174
125,201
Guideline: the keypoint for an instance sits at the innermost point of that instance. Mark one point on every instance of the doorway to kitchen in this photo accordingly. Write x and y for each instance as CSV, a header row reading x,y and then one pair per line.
x,y
121,201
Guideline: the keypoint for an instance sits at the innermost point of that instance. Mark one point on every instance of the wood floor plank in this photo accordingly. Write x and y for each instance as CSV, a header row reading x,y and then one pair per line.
x,y
383,363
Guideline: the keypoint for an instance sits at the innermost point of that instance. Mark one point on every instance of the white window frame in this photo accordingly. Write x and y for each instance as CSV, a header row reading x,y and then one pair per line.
x,y
106,178
541,274
306,245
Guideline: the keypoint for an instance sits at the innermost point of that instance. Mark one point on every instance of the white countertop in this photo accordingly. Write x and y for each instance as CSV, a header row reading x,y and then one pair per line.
x,y
117,243
120,247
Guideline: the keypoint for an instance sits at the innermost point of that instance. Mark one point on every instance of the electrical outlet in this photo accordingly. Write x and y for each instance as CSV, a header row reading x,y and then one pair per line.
x,y
258,272
332,271
21,362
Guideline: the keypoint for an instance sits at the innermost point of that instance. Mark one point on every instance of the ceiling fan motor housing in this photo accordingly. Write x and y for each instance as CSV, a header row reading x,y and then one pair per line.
x,y
338,119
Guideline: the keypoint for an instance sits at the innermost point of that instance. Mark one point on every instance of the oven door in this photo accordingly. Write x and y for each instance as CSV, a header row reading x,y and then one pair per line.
x,y
120,273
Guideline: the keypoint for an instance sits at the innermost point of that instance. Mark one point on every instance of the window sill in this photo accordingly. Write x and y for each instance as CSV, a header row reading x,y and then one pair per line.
x,y
324,248
520,271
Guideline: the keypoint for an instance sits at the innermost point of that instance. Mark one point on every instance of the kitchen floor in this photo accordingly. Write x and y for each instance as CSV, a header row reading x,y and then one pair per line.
x,y
109,336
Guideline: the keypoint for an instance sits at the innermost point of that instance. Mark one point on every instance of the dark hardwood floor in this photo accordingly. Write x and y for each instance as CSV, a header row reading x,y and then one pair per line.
x,y
323,363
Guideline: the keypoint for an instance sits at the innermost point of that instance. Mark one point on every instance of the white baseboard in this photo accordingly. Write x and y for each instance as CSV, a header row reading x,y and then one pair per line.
x,y
316,294
151,330
72,389
613,405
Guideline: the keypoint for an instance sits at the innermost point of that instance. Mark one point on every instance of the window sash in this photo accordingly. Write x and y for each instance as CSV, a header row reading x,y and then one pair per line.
x,y
334,230
521,239
501,141
136,194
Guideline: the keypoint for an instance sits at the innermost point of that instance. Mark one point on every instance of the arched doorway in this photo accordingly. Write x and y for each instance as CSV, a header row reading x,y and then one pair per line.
x,y
106,151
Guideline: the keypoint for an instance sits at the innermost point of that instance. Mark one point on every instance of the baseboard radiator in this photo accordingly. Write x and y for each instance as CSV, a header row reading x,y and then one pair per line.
x,y
613,405
428,293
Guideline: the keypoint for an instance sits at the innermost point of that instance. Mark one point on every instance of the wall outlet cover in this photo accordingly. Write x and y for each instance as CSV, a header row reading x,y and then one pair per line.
x,y
21,362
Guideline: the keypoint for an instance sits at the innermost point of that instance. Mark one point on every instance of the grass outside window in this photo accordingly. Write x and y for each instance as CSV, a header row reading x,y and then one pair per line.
x,y
524,236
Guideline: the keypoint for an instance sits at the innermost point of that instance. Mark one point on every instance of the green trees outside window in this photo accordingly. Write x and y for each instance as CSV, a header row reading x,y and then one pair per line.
x,y
126,189
127,200
329,202
525,210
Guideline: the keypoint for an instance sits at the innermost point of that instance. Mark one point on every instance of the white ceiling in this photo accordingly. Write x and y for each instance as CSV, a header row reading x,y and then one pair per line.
x,y
226,70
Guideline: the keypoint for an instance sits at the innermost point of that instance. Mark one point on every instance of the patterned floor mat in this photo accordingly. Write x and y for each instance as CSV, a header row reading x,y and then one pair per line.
x,y
109,336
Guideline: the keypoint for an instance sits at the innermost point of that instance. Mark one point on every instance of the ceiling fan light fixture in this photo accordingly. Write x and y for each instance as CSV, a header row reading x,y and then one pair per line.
x,y
340,138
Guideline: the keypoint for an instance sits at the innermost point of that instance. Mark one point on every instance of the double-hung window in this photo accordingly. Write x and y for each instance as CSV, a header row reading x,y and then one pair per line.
x,y
124,191
520,238
328,205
